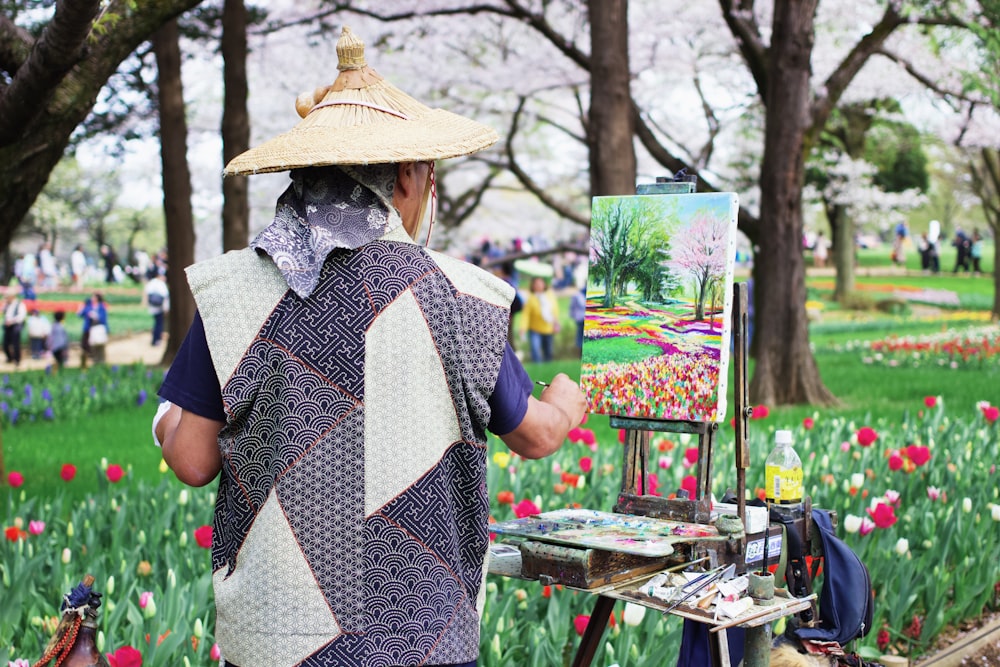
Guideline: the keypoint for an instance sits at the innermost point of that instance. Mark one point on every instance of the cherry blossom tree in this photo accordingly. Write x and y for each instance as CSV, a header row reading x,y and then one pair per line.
x,y
698,255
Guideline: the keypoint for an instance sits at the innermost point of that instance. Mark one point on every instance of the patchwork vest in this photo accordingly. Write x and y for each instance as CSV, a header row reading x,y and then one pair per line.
x,y
351,520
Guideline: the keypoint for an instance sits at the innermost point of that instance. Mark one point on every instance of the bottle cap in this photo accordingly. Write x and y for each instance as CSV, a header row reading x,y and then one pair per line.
x,y
783,437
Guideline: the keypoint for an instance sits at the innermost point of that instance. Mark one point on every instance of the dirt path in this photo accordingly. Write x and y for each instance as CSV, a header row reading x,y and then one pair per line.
x,y
121,350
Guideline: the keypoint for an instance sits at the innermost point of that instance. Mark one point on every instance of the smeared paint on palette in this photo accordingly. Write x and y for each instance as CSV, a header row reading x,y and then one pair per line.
x,y
625,533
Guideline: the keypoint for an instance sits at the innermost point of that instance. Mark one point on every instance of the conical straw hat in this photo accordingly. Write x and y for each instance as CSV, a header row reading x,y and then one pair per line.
x,y
363,119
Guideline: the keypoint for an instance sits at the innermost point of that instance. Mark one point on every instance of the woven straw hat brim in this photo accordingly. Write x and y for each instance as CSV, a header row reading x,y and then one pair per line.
x,y
434,135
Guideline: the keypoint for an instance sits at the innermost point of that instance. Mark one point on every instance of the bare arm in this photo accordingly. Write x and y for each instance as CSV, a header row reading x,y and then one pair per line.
x,y
548,419
190,445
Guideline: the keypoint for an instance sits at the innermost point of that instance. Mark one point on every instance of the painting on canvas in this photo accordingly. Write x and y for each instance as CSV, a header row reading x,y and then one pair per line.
x,y
659,298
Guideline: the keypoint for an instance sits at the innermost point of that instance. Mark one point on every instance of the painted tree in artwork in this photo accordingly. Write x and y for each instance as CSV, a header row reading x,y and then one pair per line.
x,y
698,254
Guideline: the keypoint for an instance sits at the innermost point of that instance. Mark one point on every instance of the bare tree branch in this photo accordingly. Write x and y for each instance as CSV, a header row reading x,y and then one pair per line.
x,y
949,96
59,48
526,180
739,16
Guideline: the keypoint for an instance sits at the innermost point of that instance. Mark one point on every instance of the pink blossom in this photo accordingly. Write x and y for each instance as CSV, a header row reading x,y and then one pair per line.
x,y
845,446
586,463
895,460
587,437
215,653
621,436
15,479
759,412
666,462
580,623
892,497
808,423
867,526
68,472
36,527
930,401
144,599
933,492
690,456
526,508
574,434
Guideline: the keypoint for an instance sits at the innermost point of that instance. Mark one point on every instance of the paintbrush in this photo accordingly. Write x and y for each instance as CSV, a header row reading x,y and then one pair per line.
x,y
767,535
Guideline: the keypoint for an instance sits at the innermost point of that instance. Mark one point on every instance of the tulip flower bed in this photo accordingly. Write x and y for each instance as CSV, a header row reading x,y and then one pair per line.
x,y
972,348
917,498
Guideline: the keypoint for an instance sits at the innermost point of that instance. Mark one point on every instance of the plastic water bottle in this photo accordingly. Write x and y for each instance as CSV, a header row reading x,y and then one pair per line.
x,y
783,471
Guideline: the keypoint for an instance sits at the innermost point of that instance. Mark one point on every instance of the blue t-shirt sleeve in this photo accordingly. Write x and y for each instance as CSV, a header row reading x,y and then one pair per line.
x,y
191,381
509,401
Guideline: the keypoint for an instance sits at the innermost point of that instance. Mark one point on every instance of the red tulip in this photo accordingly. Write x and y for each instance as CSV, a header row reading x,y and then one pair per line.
x,y
930,401
505,497
114,473
895,461
526,508
991,413
203,536
68,472
866,435
15,479
580,623
919,454
808,423
586,463
126,656
883,515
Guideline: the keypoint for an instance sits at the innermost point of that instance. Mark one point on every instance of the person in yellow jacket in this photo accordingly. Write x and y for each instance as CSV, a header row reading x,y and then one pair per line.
x,y
541,319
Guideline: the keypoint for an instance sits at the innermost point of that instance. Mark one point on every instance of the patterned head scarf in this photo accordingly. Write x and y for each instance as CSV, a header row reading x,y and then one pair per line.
x,y
324,208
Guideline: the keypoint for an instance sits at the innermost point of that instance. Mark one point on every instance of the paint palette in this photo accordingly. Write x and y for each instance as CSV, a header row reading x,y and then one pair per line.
x,y
624,533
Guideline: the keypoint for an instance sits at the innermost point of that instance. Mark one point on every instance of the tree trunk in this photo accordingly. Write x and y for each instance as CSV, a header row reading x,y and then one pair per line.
x,y
610,124
842,229
26,162
176,184
785,370
235,125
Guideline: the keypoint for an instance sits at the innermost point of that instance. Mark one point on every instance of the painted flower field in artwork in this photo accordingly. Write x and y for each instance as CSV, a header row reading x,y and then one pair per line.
x,y
657,326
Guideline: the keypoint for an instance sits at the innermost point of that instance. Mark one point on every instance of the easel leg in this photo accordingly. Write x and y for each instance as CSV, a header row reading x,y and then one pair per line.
x,y
595,630
757,646
719,646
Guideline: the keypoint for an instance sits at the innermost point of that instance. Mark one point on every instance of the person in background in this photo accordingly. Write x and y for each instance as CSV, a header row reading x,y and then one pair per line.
x,y
899,249
94,314
339,378
47,267
58,340
14,315
541,319
38,330
962,246
821,250
976,252
158,301
78,266
110,258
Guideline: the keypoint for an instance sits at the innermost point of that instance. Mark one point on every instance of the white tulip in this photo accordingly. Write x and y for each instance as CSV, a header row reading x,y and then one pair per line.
x,y
902,546
852,523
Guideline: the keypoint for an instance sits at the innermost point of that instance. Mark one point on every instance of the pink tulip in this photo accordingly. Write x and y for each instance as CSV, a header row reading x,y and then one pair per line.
x,y
36,527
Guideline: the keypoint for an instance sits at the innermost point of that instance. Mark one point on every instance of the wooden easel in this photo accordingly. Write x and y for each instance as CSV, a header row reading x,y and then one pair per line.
x,y
632,500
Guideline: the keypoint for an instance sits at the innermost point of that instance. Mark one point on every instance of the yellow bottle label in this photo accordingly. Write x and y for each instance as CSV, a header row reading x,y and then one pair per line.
x,y
783,485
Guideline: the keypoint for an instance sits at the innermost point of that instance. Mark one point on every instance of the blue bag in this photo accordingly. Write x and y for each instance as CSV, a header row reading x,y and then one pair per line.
x,y
845,603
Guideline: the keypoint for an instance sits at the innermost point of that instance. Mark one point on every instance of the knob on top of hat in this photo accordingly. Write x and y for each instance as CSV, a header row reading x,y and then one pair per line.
x,y
350,51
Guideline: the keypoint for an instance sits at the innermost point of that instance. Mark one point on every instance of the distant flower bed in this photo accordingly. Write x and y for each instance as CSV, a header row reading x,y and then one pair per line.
x,y
973,348
45,396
